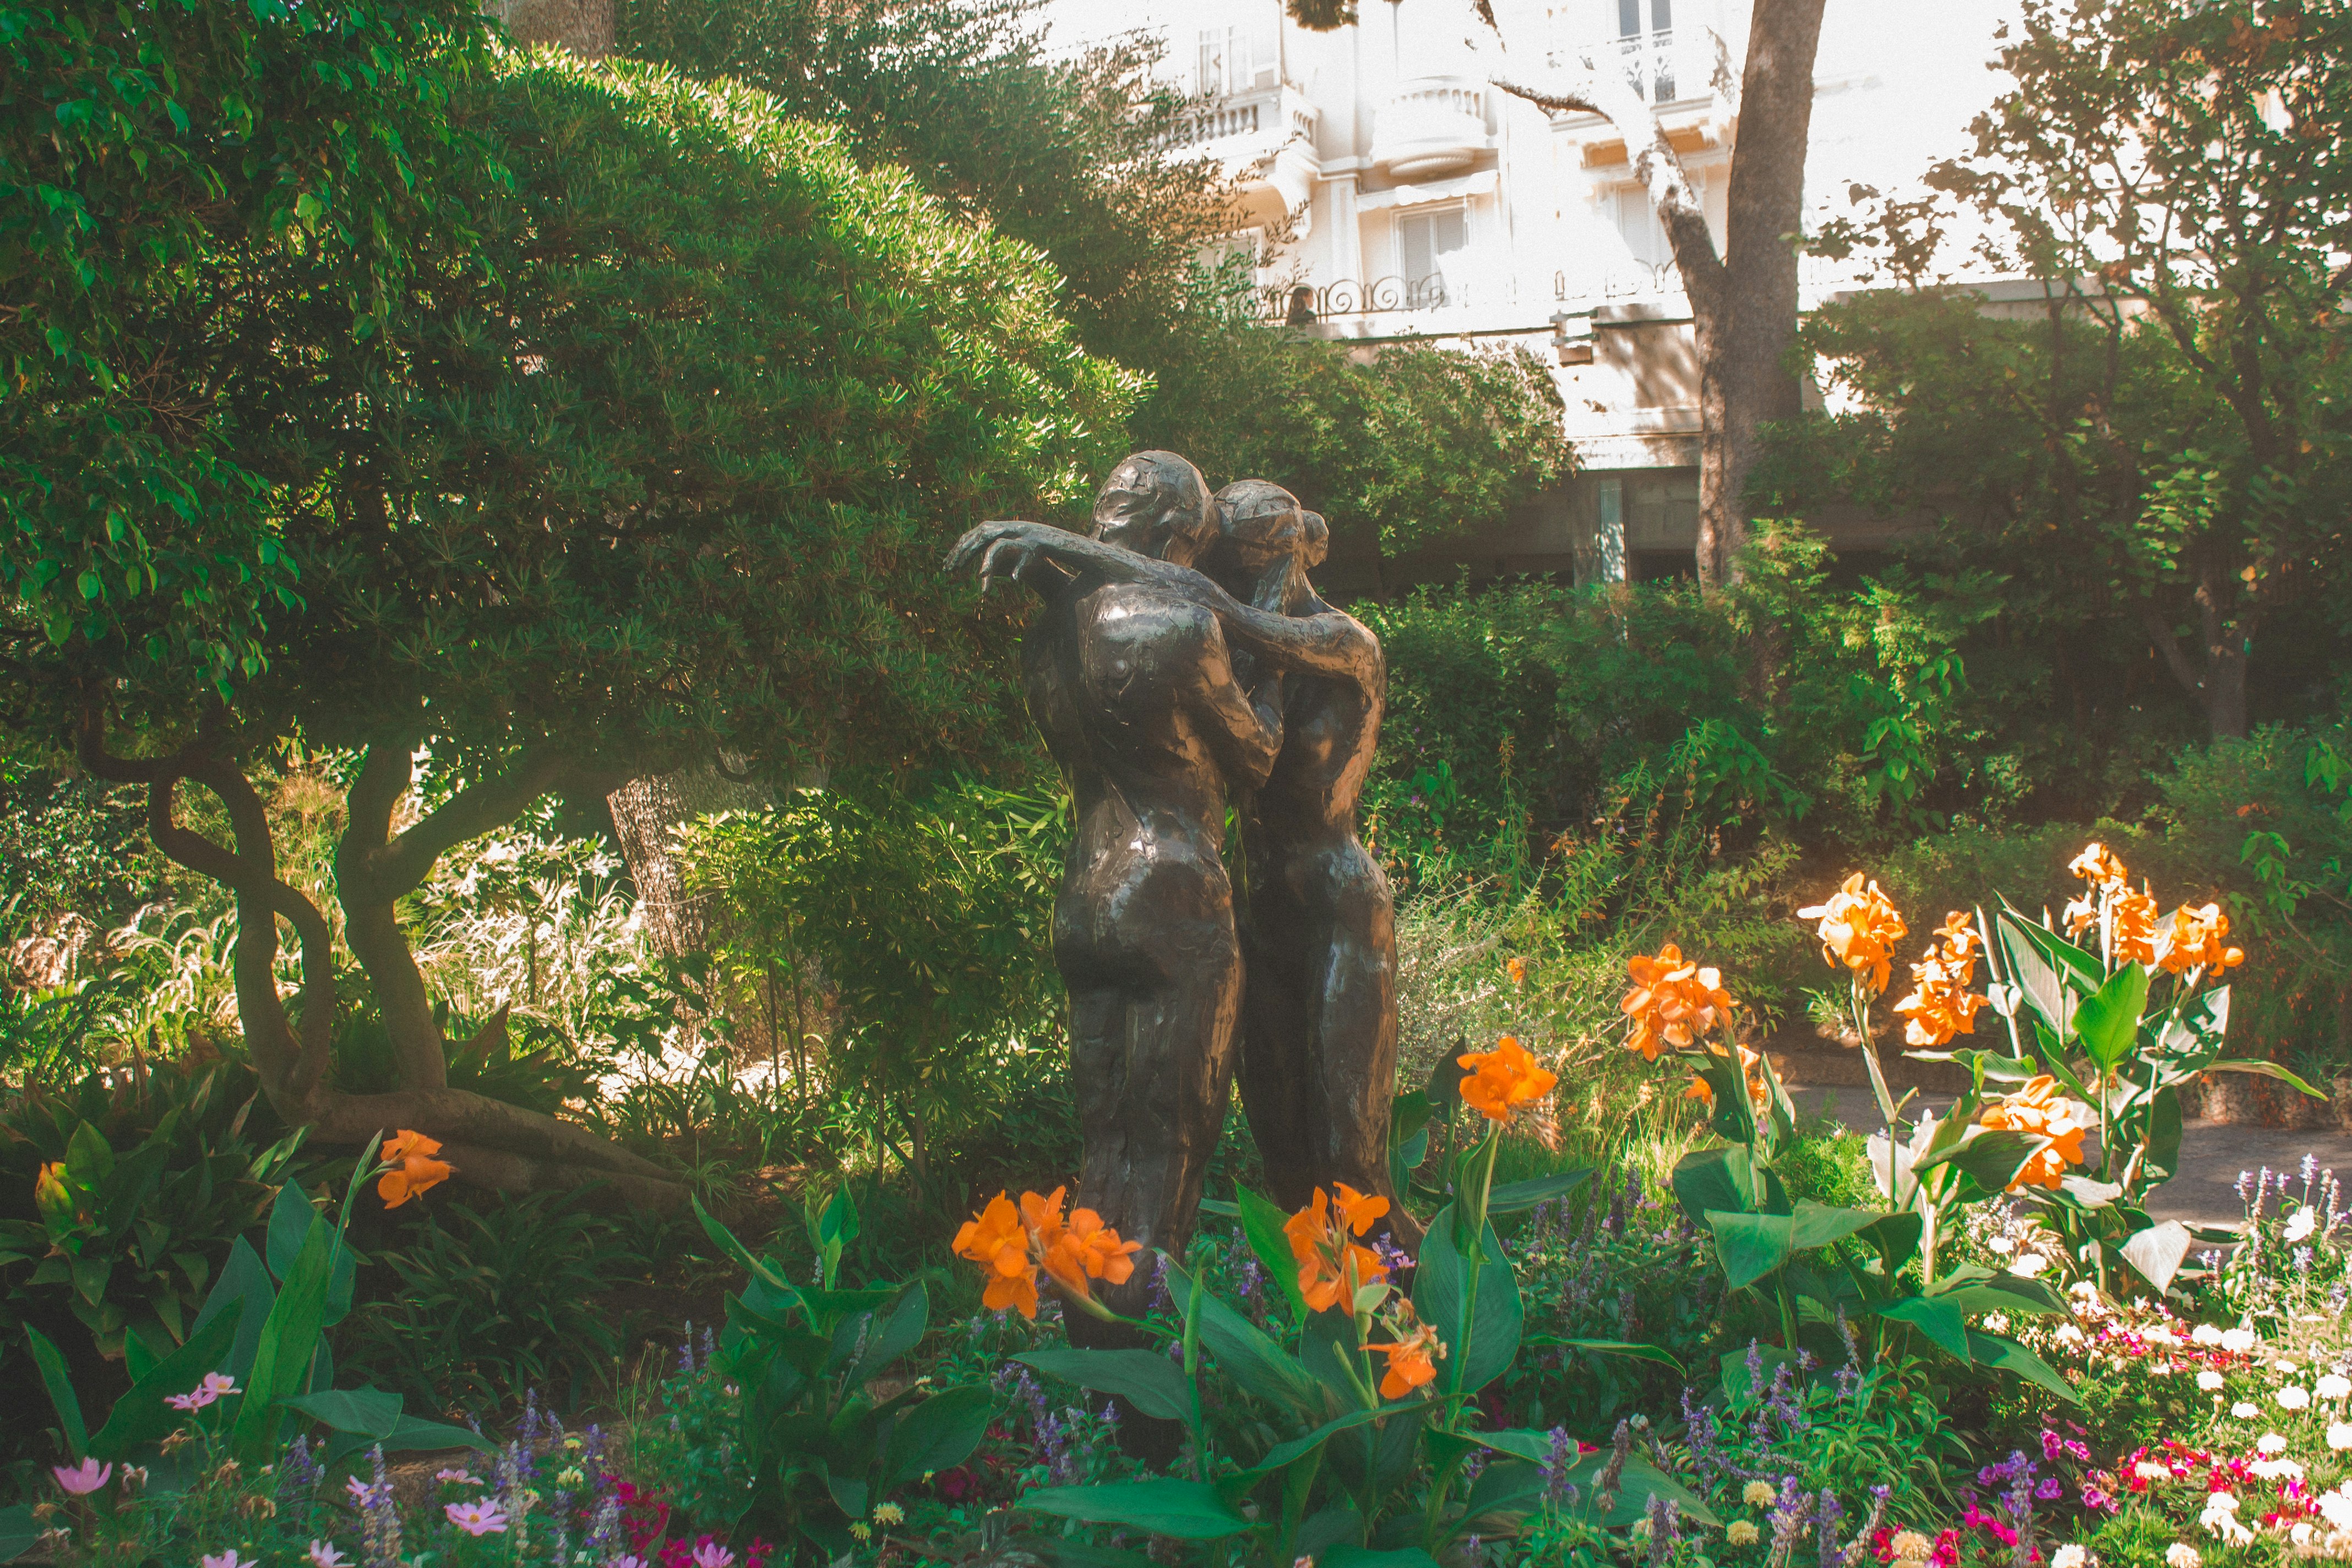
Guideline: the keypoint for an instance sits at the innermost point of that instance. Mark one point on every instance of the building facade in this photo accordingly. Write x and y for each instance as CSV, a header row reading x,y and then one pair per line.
x,y
1407,198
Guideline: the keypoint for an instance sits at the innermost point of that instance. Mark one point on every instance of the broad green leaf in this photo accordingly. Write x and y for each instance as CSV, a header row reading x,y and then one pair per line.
x,y
850,1493
1895,1238
1221,1208
1937,1317
1144,1380
2265,1069
1188,1511
1506,1492
1629,1349
141,1416
244,1289
18,1531
369,1411
1247,1357
2107,1022
1715,1179
936,1435
897,1329
2162,1160
758,1267
1478,1350
60,1385
1365,1557
1517,1197
291,1216
1638,1483
281,1363
411,1433
1283,1454
1991,1157
1262,1223
1998,1351
2158,1251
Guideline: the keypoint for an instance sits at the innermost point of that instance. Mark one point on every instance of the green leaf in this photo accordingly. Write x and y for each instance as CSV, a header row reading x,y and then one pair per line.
x,y
898,1327
141,1416
2107,1024
1221,1208
936,1435
1937,1317
2265,1069
2052,972
369,1411
244,1289
411,1433
1283,1454
1243,1350
1629,1349
1262,1223
1751,1246
281,1363
1481,1351
59,1384
1188,1511
1365,1557
1145,1380
850,1493
1638,1483
1726,1179
735,1250
18,1531
2159,1252
290,1217
1992,1158
1997,1351
1896,1240
1516,1197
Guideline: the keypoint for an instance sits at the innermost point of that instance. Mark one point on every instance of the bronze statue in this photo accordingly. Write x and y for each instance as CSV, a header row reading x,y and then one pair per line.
x,y
1318,1058
1139,703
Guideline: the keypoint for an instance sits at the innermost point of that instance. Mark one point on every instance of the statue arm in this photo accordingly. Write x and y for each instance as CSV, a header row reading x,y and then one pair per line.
x,y
1331,643
1244,728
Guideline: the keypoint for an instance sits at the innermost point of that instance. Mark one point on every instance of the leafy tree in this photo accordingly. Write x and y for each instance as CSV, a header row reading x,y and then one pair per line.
x,y
660,459
2176,169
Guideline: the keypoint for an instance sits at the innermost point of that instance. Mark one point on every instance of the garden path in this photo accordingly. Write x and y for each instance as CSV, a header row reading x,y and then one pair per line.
x,y
2212,1152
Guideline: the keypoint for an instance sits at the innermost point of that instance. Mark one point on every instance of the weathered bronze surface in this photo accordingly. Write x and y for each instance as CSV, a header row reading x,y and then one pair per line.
x,y
1161,691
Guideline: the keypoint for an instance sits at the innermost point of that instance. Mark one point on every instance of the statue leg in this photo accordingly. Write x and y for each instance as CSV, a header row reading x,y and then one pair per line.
x,y
1353,1036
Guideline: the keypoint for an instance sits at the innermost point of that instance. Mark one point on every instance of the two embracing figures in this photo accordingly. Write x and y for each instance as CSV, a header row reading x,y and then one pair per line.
x,y
1182,661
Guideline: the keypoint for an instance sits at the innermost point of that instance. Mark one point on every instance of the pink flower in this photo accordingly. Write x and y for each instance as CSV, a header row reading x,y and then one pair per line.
x,y
366,1494
709,1554
481,1518
323,1555
228,1559
83,1479
459,1477
204,1394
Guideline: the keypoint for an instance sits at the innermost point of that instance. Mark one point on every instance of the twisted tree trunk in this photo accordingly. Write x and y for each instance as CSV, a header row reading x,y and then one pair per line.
x,y
489,1143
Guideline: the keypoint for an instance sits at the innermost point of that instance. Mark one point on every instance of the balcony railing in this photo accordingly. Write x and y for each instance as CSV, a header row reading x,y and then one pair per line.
x,y
1431,125
1665,67
1276,116
1303,304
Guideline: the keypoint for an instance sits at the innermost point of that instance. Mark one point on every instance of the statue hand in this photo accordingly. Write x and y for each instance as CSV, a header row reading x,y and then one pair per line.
x,y
977,543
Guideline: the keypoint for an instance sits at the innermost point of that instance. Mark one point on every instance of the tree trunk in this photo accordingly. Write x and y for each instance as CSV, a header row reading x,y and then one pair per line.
x,y
646,813
1744,301
1764,214
488,1142
584,26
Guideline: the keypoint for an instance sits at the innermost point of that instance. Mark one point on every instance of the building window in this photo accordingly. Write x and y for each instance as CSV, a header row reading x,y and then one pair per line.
x,y
1426,241
1644,29
1231,62
1645,236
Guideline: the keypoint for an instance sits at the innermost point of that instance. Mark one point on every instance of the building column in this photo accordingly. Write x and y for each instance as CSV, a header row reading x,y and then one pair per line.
x,y
1600,541
1347,229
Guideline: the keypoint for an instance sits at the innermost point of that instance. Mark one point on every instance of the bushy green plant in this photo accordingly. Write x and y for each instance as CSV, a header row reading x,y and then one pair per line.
x,y
482,1304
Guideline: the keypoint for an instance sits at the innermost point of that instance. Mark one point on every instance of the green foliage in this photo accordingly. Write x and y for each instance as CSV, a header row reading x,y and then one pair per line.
x,y
172,172
484,1303
119,1204
67,846
812,1446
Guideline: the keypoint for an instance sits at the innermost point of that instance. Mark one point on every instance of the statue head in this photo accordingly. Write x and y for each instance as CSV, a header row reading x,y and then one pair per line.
x,y
1261,523
1156,503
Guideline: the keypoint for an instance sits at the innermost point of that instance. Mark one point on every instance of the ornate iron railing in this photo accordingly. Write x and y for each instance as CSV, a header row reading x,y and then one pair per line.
x,y
1302,304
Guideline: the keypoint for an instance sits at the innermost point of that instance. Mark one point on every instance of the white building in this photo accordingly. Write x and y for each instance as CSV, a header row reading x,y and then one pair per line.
x,y
1421,201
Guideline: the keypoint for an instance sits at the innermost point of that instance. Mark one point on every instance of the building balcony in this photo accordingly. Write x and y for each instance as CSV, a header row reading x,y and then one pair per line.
x,y
1265,138
1431,125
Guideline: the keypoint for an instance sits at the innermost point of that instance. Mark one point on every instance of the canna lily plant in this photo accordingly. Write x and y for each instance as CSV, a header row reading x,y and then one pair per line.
x,y
1818,1266
2106,1020
1374,1384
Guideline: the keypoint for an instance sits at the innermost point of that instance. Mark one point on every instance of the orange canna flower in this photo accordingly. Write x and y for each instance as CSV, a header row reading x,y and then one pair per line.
x,y
2039,1108
414,1169
1503,1079
1012,1243
2193,939
2098,864
1859,928
1412,1360
1331,1267
2131,926
1672,1003
1940,1004
1519,971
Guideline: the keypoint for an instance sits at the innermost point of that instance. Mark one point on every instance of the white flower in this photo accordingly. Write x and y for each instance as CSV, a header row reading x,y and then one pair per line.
x,y
2208,1380
2293,1396
2334,1385
2181,1554
2070,1556
2284,1366
2027,1266
2245,1410
2205,1334
2002,1246
2300,1224
2221,1518
2339,1435
2272,1443
2276,1469
2302,1533
2238,1341
2149,1470
2068,1334
1997,1322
